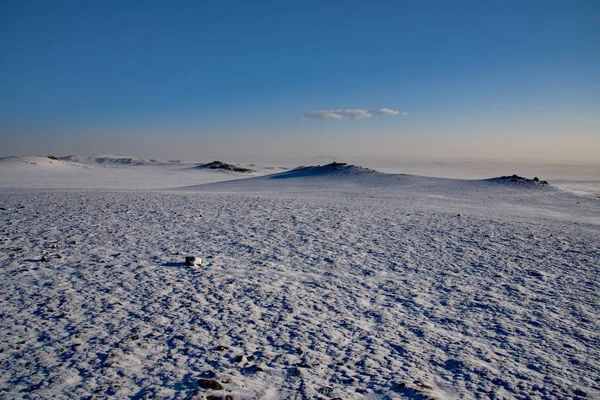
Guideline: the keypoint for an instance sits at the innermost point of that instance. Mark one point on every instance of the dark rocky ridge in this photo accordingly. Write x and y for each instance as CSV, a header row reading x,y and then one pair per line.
x,y
516,179
223,166
318,170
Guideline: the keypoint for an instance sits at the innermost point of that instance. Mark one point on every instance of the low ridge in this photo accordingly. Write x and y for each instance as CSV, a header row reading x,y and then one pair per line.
x,y
220,165
318,170
519,180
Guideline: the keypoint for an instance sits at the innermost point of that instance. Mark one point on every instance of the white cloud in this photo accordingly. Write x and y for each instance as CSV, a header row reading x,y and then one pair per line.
x,y
384,111
353,114
322,115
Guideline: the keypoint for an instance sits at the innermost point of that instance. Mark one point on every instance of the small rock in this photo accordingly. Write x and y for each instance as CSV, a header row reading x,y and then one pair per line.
x,y
192,261
239,359
209,384
222,348
256,368
327,391
299,351
44,258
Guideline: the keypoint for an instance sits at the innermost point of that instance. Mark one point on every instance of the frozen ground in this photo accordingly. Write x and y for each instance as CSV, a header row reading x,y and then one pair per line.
x,y
317,284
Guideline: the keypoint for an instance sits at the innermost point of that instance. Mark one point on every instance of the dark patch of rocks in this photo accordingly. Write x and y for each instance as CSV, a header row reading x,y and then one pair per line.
x,y
209,384
516,179
219,165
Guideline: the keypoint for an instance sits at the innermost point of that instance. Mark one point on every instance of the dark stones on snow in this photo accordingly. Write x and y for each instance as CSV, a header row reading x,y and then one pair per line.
x,y
219,165
334,168
516,179
209,384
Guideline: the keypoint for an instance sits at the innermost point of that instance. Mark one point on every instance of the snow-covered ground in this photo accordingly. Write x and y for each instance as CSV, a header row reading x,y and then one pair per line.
x,y
317,283
107,172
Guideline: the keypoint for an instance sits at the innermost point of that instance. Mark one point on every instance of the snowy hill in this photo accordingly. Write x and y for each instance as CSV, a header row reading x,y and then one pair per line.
x,y
36,162
109,159
101,172
333,169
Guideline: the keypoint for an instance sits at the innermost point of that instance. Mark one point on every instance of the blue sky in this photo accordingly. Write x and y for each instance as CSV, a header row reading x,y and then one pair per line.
x,y
74,73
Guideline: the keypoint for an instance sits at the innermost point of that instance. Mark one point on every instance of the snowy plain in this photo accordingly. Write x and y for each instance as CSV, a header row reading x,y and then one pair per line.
x,y
328,282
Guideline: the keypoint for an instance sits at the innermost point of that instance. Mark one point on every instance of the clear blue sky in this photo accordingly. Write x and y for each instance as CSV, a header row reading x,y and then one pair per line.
x,y
209,70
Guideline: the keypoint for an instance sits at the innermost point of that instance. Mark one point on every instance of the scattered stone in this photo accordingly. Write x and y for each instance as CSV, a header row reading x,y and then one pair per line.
x,y
327,391
256,368
135,337
44,258
239,359
192,261
209,384
222,348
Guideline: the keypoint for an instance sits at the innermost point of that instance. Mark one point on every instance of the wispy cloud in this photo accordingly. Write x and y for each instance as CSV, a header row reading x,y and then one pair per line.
x,y
353,114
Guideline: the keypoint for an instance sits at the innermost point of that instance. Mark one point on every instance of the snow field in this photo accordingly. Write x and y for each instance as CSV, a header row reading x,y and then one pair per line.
x,y
305,294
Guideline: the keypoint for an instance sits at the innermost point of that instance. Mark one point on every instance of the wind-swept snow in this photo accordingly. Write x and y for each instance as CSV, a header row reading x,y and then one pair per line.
x,y
71,172
326,282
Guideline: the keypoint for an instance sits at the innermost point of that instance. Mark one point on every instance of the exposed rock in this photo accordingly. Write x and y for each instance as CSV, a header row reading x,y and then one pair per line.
x,y
516,179
327,391
239,359
219,165
209,384
192,261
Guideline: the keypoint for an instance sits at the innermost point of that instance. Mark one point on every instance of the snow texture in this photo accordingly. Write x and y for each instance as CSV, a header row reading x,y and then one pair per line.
x,y
321,282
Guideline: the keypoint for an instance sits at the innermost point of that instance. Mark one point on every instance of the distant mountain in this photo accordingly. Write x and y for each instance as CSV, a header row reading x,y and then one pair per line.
x,y
40,162
109,159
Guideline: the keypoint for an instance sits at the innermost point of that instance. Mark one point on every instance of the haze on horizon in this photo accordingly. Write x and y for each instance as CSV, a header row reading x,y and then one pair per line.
x,y
245,80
